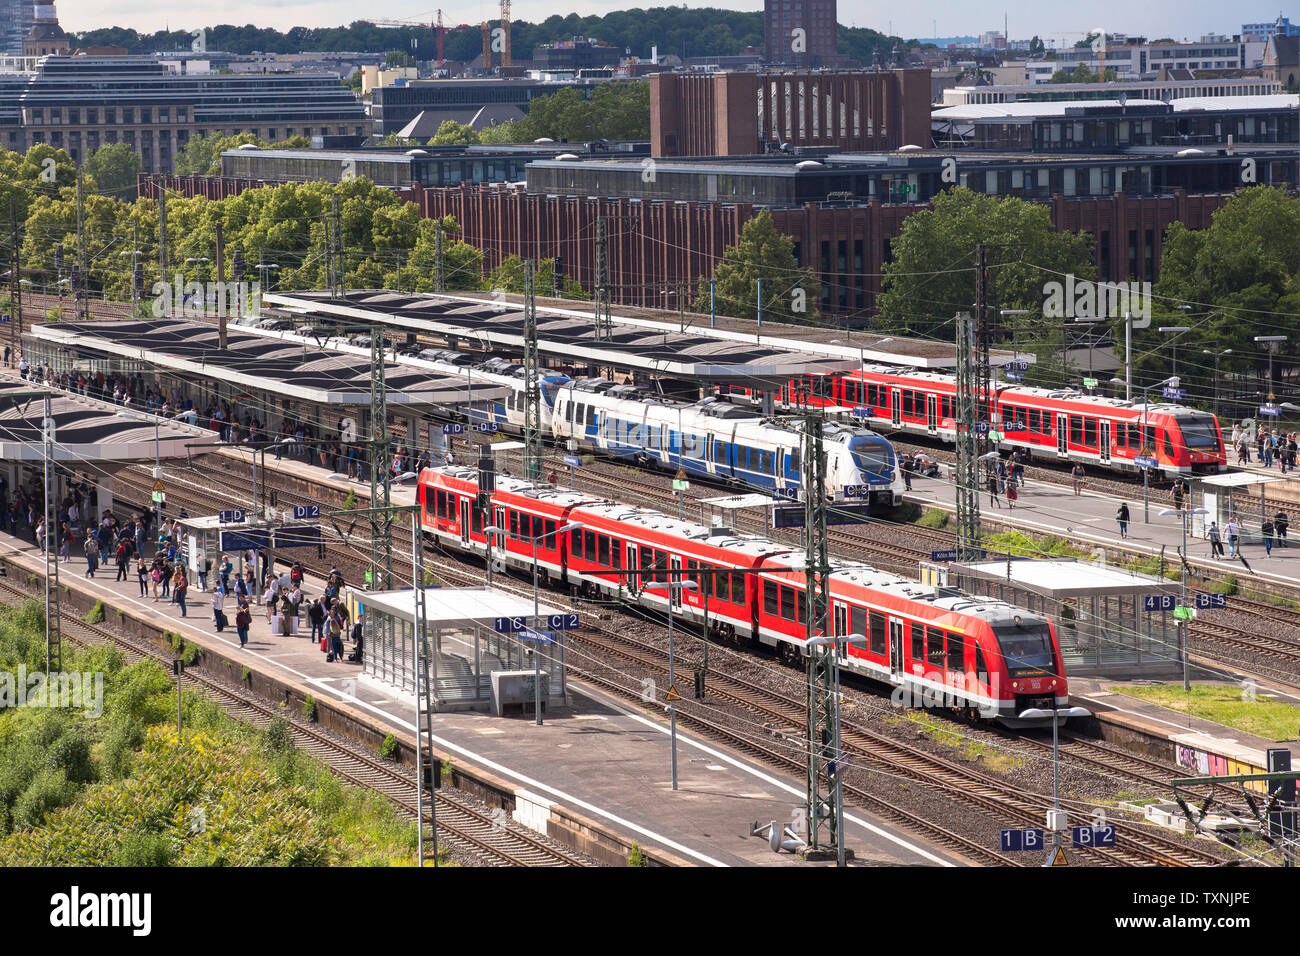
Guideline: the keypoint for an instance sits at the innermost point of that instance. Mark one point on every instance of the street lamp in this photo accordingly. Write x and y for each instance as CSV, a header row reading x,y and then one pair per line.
x,y
1271,341
1216,356
488,532
1186,514
679,585
1056,715
1174,342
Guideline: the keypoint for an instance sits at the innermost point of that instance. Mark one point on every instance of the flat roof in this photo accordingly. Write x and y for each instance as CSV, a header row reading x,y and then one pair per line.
x,y
87,430
1239,479
570,335
1065,579
301,370
453,607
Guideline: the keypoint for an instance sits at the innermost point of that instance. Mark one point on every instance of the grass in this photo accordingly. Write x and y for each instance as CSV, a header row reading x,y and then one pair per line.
x,y
933,518
1019,543
96,614
972,751
1223,704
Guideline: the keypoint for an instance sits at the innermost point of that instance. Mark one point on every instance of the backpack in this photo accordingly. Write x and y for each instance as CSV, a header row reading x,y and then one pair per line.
x,y
242,619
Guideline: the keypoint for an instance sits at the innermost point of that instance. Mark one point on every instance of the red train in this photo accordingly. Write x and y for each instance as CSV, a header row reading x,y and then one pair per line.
x,y
1050,423
937,647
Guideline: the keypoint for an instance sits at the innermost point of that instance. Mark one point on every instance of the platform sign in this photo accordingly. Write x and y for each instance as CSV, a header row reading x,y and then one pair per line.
x,y
231,516
1270,410
1185,613
562,622
1158,602
857,491
6,317
509,625
572,460
306,512
1177,394
979,554
453,428
158,485
297,536
1023,839
1206,601
981,428
792,493
863,411
1086,836
787,517
532,636
487,428
1013,376
242,540
1089,383
159,498
1143,462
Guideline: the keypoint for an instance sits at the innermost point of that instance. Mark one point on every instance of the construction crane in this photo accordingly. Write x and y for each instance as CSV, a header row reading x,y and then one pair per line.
x,y
439,28
505,33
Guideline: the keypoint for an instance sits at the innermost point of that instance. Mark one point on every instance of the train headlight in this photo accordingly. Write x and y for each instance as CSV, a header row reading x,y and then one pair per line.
x,y
1053,683
1015,685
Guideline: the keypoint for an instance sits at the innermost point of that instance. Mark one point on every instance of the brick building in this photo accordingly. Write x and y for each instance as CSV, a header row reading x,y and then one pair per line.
x,y
800,32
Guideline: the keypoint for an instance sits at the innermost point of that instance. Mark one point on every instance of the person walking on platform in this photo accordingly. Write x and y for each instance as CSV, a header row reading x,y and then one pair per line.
x,y
316,614
1234,536
1122,516
1280,524
180,587
242,619
1216,543
1266,532
218,608
1077,474
993,490
92,555
1013,490
123,557
1177,492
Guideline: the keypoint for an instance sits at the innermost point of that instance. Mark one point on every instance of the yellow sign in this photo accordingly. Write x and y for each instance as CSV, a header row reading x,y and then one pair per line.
x,y
1058,857
158,485
672,694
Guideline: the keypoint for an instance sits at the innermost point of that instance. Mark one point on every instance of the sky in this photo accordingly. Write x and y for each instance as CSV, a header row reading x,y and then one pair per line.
x,y
918,18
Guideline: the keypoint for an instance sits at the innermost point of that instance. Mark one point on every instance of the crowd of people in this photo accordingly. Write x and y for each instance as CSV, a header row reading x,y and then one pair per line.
x,y
1272,447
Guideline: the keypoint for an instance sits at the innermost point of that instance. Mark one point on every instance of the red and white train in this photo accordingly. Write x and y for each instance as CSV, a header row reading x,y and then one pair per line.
x,y
1061,423
979,655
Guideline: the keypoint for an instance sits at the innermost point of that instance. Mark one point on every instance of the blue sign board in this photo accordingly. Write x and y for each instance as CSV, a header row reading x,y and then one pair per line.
x,y
1269,410
1142,462
978,554
791,493
487,428
863,411
1013,376
453,428
1211,600
535,637
255,538
573,460
6,317
857,491
1158,602
1086,836
981,428
1026,839
509,625
1177,394
303,512
232,516
562,622
298,536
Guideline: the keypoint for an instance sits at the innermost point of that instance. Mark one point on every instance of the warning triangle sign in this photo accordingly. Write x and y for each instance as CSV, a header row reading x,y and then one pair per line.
x,y
1058,858
672,693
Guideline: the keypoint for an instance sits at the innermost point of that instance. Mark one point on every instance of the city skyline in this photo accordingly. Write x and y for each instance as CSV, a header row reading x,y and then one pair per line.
x,y
921,20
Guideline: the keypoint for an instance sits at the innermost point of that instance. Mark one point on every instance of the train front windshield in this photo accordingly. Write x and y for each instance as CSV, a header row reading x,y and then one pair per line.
x,y
873,456
1199,431
1026,647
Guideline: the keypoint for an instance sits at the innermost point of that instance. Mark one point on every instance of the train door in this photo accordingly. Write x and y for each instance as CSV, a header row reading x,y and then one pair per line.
x,y
895,406
464,518
932,413
1104,445
1062,435
841,620
632,582
675,582
896,646
708,454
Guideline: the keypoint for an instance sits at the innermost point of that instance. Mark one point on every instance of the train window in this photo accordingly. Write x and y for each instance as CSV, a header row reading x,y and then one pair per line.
x,y
589,545
1169,443
646,563
525,525
661,565
1032,419
514,522
934,646
720,451
591,415
548,526
918,644
981,668
602,551
693,571
722,587
801,607
737,588
1150,442
476,520
771,598
616,552
878,641
858,620
787,602
907,402
1090,432
575,543
853,392
1134,435
1076,429
956,652
946,409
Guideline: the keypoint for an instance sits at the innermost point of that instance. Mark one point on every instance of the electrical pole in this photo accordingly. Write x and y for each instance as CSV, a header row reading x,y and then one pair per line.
x,y
220,256
81,288
823,812
136,278
983,335
15,282
329,254
603,319
532,378
381,522
340,289
53,617
967,473
162,231
439,273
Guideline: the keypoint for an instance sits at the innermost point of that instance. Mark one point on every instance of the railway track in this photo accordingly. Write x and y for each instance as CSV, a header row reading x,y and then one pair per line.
x,y
488,839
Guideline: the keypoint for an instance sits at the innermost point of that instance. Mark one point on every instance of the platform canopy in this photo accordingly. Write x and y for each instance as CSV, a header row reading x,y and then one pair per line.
x,y
86,430
1064,578
1240,479
453,607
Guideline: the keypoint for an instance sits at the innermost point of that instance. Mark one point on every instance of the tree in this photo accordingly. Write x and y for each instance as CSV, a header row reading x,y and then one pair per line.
x,y
790,294
292,142
1036,47
202,154
114,168
931,277
451,133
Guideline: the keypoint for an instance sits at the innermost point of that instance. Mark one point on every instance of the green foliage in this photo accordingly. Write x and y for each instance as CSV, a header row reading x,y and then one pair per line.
x,y
388,750
350,501
309,707
637,857
54,314
96,614
202,154
933,518
245,674
114,167
931,275
279,736
789,293
509,276
1081,74
191,653
1227,585
451,133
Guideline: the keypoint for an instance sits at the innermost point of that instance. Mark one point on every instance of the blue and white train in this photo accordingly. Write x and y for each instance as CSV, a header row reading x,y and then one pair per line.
x,y
719,440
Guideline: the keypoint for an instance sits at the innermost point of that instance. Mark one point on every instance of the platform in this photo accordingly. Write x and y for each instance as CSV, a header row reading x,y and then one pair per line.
x,y
598,757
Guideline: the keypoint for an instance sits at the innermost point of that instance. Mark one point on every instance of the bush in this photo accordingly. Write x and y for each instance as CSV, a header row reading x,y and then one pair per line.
x,y
350,501
144,849
245,674
1226,586
278,736
191,653
96,614
309,707
933,518
636,857
388,749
